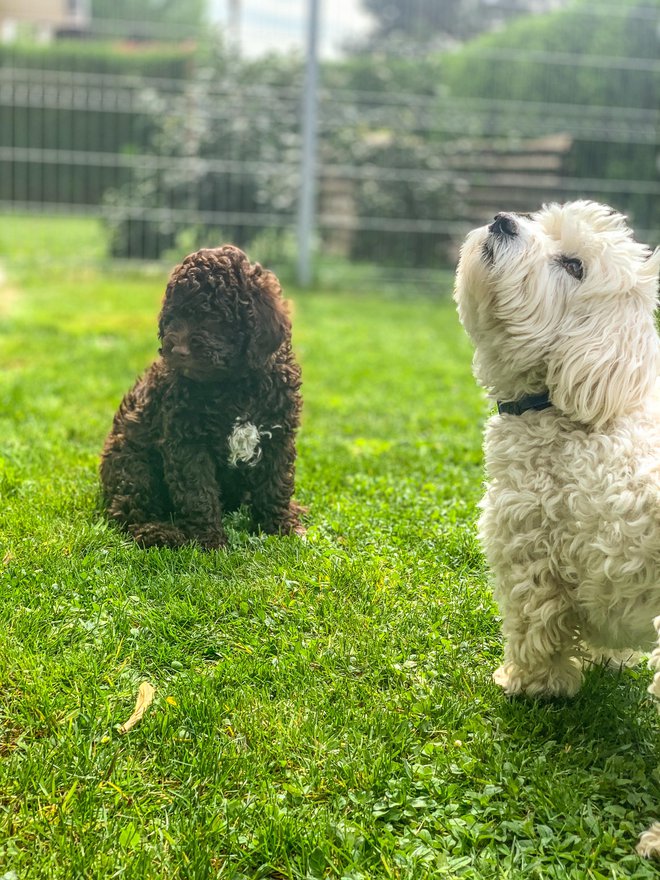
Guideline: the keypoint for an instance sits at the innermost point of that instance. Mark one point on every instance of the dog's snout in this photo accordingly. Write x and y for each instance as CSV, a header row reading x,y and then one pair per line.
x,y
176,346
180,350
503,224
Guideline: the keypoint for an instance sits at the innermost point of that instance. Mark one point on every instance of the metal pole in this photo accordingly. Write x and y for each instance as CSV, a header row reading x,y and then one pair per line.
x,y
234,24
307,203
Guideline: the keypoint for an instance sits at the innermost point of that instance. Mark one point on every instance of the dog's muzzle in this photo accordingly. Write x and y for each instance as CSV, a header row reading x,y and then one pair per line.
x,y
503,225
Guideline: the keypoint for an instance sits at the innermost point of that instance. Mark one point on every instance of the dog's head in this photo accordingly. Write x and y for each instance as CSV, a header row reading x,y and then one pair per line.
x,y
562,300
221,315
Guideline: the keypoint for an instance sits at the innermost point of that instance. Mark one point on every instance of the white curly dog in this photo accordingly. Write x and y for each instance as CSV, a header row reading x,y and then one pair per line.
x,y
560,307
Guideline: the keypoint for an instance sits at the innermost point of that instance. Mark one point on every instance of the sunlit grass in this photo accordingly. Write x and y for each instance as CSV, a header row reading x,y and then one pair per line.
x,y
323,707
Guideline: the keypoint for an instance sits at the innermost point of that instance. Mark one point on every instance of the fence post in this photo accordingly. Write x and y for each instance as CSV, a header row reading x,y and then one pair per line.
x,y
307,198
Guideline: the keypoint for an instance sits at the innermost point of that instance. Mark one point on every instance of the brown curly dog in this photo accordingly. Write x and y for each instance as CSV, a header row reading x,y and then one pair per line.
x,y
212,423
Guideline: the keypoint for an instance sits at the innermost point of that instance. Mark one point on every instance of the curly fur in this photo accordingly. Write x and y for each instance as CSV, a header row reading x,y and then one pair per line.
x,y
212,423
563,300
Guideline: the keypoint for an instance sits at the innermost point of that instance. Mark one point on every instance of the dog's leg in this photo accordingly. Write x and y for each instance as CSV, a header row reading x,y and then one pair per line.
x,y
135,496
271,487
540,639
190,477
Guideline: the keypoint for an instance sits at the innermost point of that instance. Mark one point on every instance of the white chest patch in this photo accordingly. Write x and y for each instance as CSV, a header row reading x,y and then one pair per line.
x,y
244,443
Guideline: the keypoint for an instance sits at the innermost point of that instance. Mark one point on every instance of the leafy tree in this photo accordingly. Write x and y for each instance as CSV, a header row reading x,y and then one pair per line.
x,y
506,65
442,20
582,71
189,14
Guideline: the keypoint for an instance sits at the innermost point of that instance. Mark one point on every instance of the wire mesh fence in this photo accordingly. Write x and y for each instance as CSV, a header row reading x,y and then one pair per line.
x,y
178,137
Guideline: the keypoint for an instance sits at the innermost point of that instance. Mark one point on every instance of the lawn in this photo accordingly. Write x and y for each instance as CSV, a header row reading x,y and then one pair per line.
x,y
323,707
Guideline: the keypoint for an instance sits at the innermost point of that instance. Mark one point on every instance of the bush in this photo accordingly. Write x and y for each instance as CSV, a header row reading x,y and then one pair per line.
x,y
503,67
227,152
33,116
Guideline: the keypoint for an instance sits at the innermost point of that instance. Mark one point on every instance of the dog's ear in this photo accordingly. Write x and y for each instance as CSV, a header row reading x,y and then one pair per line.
x,y
161,320
270,325
606,363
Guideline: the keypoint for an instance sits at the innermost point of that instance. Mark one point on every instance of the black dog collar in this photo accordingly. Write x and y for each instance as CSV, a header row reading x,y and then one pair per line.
x,y
529,401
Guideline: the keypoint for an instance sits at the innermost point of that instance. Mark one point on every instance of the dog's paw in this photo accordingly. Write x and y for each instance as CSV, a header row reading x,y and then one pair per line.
x,y
506,676
288,525
557,680
213,540
654,687
157,535
612,659
648,845
161,534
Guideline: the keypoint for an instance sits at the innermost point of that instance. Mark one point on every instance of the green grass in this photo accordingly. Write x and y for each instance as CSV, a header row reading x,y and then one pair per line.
x,y
324,707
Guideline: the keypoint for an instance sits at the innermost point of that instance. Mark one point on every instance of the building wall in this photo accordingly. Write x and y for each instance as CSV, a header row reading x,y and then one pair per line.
x,y
52,12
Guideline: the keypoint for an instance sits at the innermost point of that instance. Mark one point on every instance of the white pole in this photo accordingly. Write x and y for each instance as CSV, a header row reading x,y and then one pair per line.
x,y
234,24
307,203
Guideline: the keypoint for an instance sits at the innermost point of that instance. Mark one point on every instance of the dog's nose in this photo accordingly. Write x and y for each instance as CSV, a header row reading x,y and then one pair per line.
x,y
180,350
503,224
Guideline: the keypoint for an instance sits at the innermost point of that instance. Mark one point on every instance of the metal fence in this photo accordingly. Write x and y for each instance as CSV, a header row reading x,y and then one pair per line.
x,y
193,145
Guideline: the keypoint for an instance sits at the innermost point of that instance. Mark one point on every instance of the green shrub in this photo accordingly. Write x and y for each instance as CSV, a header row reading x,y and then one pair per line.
x,y
602,60
229,149
31,118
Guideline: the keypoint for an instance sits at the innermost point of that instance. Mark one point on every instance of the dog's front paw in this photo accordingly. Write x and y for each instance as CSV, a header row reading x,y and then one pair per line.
x,y
288,524
654,687
612,658
212,540
648,845
157,534
293,527
161,534
560,679
508,678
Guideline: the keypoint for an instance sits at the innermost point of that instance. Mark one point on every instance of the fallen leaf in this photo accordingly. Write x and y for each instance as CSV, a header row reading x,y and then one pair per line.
x,y
145,697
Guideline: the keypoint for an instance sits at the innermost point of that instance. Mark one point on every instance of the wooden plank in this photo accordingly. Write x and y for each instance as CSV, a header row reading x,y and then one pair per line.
x,y
519,161
554,143
476,186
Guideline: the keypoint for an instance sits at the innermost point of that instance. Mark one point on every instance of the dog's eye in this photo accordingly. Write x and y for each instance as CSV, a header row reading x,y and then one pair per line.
x,y
573,266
